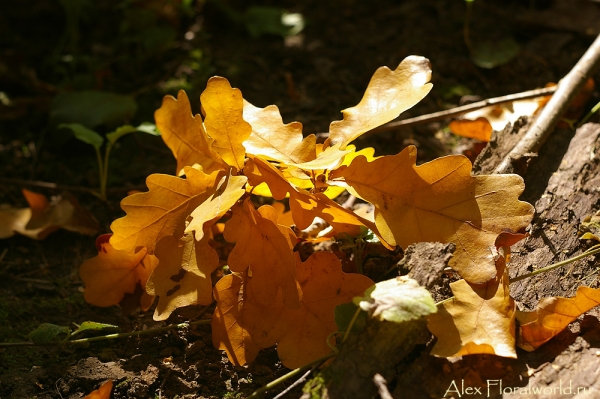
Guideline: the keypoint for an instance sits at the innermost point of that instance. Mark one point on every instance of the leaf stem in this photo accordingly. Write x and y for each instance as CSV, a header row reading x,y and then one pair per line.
x,y
289,375
112,336
589,114
101,170
592,251
349,328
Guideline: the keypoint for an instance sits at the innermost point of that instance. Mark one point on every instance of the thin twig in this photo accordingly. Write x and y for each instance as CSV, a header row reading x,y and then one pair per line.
x,y
457,111
299,381
62,187
568,88
592,251
382,388
110,336
274,383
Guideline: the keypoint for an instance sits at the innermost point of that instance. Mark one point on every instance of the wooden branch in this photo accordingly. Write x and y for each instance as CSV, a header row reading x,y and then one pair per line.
x,y
457,111
568,88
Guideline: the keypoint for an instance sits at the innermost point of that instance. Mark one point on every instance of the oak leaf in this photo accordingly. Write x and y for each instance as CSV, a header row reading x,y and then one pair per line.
x,y
388,94
272,139
228,332
162,210
304,205
439,201
224,123
183,274
265,249
478,319
227,192
553,315
113,273
301,334
185,136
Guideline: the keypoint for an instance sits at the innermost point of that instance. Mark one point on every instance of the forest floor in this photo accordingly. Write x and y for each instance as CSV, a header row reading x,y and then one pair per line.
x,y
311,77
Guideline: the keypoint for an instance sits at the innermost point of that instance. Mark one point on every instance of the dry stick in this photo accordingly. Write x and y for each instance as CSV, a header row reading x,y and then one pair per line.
x,y
457,111
382,388
568,87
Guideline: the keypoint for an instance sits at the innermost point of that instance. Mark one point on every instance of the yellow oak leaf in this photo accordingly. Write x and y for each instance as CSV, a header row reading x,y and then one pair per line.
x,y
264,248
439,201
329,158
553,315
227,322
162,210
228,191
182,277
304,205
272,139
301,334
113,273
224,123
185,136
478,319
388,94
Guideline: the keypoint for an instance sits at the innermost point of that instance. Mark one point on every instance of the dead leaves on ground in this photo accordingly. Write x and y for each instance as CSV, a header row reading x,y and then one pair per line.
x,y
165,241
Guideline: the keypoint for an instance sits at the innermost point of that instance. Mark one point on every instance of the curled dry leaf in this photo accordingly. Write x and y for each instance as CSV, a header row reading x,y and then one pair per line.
x,y
439,201
264,248
388,94
182,277
113,273
478,319
185,136
103,392
224,123
272,139
553,315
241,324
44,217
161,211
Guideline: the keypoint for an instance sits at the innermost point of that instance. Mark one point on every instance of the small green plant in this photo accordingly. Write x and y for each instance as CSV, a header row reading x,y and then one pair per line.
x,y
93,138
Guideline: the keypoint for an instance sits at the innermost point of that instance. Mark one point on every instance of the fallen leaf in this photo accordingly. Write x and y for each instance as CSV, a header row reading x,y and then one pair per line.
x,y
265,249
479,319
185,136
44,217
388,94
182,277
479,128
553,315
272,139
439,201
224,123
162,210
103,392
301,334
113,273
228,191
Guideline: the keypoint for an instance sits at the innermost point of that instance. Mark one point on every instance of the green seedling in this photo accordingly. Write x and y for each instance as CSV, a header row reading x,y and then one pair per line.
x,y
93,138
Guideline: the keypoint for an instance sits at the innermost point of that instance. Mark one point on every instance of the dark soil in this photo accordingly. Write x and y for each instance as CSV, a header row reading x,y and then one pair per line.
x,y
311,77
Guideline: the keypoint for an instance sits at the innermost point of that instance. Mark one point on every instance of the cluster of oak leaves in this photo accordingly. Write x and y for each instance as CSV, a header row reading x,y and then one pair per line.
x,y
272,297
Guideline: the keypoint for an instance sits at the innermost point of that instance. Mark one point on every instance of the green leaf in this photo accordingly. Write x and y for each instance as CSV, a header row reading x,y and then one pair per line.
x,y
121,131
84,134
344,314
490,54
92,108
94,326
397,300
47,333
